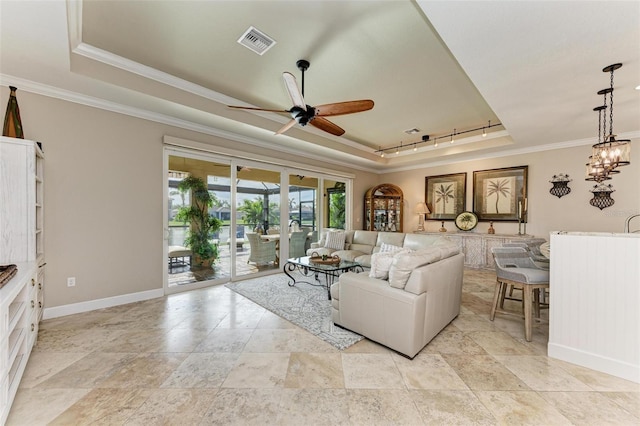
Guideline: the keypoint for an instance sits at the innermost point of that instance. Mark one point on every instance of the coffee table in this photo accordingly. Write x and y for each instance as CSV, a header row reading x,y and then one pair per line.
x,y
308,268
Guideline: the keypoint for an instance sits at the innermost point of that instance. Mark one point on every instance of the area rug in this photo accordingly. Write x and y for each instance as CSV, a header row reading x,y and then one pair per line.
x,y
304,305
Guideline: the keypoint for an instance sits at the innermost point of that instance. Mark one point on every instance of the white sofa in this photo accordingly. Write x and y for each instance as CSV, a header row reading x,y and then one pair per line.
x,y
360,245
402,315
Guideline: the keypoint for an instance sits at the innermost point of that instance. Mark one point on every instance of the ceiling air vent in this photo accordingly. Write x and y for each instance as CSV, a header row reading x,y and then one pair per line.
x,y
256,40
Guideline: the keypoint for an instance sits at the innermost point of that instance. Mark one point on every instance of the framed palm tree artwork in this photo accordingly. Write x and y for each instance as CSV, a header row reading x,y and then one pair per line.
x,y
499,194
445,195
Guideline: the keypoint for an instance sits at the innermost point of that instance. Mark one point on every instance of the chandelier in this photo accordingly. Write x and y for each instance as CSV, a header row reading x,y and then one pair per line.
x,y
609,153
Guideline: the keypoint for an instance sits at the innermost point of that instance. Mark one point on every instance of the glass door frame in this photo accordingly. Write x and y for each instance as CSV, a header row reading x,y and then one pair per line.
x,y
202,156
234,161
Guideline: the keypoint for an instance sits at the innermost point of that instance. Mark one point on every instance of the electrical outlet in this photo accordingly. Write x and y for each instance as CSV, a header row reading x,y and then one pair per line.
x,y
71,282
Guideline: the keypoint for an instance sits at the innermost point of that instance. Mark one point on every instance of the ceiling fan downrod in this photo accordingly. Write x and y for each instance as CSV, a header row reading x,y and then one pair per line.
x,y
303,65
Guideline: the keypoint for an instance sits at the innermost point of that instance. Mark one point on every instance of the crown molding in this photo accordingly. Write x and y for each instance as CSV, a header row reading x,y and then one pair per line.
x,y
70,96
376,168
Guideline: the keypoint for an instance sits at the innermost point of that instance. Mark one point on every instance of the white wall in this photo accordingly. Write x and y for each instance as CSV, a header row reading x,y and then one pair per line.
x,y
546,212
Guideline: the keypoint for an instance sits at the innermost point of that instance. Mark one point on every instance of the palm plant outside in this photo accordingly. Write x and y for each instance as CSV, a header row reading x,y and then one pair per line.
x,y
498,187
336,210
253,211
443,195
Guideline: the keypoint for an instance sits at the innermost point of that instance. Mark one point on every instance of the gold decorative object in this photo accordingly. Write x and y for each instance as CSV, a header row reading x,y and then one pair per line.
x,y
324,259
6,273
443,229
491,230
12,123
466,221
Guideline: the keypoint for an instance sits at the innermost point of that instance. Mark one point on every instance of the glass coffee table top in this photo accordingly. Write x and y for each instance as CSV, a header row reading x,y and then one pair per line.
x,y
305,266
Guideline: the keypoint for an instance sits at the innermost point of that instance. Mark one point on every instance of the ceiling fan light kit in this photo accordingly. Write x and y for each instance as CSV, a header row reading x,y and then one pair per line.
x,y
303,114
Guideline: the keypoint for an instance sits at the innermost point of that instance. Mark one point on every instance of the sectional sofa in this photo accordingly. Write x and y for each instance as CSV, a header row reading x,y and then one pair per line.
x,y
411,292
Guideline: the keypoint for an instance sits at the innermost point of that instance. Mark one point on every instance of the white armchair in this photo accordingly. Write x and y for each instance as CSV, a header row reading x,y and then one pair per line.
x,y
262,252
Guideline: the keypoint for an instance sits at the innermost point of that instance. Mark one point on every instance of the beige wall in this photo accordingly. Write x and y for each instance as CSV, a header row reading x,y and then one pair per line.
x,y
103,196
546,212
104,189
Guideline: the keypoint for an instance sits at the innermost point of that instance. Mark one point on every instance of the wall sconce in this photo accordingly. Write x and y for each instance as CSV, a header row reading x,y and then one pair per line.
x,y
421,209
560,185
602,196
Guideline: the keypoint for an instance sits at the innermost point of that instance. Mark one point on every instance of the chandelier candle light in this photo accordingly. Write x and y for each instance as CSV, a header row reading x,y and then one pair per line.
x,y
609,153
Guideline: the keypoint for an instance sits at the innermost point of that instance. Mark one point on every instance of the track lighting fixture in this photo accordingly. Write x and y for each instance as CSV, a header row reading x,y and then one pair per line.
x,y
427,138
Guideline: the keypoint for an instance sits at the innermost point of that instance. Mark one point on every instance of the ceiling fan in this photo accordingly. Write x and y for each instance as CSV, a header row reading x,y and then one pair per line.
x,y
304,114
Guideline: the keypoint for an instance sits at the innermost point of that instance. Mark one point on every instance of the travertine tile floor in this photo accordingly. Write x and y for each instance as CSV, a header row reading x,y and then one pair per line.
x,y
213,357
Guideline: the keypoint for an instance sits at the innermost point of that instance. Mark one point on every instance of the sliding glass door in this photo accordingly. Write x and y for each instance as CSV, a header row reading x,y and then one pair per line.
x,y
198,220
257,206
229,218
303,213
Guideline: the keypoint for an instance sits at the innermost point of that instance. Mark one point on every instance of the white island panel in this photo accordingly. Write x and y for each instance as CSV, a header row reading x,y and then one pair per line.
x,y
594,312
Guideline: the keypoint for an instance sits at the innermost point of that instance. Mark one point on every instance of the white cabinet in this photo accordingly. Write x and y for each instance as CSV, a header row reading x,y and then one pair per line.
x,y
21,243
477,247
18,324
21,201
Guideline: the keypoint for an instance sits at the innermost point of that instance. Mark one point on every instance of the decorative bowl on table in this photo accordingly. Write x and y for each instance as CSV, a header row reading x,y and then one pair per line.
x,y
6,273
324,259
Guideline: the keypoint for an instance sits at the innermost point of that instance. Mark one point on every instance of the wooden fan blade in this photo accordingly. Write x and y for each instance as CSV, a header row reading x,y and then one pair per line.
x,y
258,109
293,90
286,127
341,108
327,126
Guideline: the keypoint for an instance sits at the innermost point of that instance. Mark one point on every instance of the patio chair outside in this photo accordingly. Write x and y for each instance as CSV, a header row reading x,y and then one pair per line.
x,y
297,243
262,252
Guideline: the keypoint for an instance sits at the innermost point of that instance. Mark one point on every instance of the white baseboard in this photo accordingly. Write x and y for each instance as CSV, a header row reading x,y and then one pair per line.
x,y
615,367
91,305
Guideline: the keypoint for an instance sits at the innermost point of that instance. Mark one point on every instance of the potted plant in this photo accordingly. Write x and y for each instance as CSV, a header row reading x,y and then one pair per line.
x,y
202,225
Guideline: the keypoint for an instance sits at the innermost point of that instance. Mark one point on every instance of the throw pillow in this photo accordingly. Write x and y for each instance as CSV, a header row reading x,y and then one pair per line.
x,y
381,262
389,248
335,240
404,263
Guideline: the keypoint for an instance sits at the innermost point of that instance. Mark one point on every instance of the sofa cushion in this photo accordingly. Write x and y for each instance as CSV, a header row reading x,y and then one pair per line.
x,y
364,260
335,240
420,241
365,237
349,255
447,248
389,248
393,238
404,263
362,248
